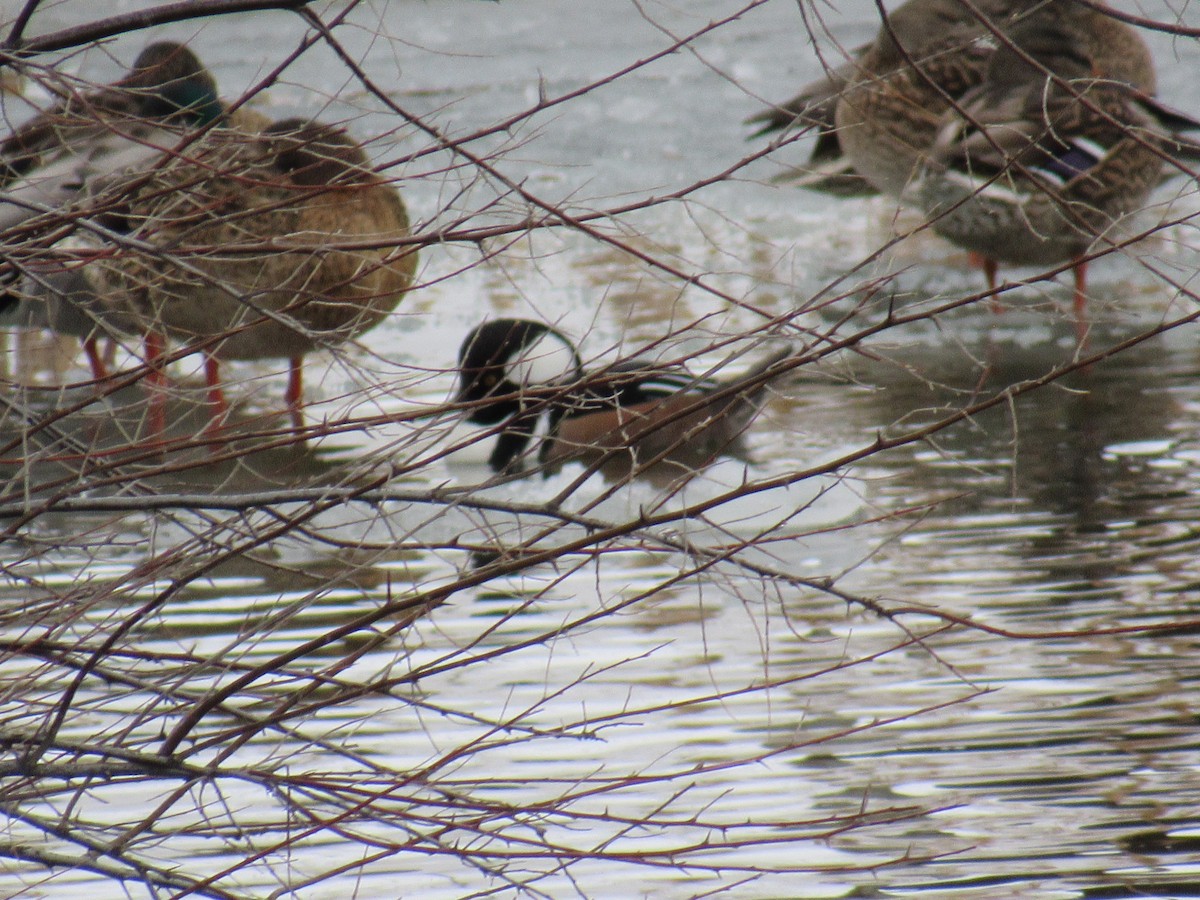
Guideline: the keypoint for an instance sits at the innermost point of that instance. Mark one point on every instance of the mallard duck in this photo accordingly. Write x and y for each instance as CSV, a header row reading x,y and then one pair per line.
x,y
928,53
941,37
815,106
1055,145
251,247
627,419
900,120
167,84
54,167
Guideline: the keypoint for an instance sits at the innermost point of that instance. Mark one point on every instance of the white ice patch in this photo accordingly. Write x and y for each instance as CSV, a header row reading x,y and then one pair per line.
x,y
548,360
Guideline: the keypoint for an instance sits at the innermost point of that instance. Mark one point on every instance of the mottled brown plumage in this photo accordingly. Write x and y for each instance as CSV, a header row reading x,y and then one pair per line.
x,y
926,55
889,120
878,113
940,111
264,247
815,106
54,168
1055,145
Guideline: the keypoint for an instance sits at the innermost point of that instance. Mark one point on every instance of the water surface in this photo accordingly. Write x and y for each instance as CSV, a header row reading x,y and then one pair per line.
x,y
784,696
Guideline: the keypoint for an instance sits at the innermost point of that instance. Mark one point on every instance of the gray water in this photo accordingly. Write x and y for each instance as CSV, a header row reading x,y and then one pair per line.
x,y
638,721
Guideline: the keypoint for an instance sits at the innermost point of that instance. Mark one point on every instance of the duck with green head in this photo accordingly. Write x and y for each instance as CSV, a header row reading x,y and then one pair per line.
x,y
167,85
54,168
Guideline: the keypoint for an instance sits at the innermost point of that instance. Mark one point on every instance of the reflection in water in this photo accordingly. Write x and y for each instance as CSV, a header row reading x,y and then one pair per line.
x,y
1076,476
1058,513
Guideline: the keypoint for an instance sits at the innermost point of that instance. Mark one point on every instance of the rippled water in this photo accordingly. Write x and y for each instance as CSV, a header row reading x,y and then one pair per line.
x,y
811,716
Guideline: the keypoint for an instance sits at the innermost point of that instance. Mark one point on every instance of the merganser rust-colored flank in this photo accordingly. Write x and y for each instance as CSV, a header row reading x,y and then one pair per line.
x,y
627,420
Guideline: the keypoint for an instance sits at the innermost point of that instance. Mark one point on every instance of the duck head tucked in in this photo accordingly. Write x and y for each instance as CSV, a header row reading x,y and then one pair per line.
x,y
273,245
1060,141
252,240
1022,129
313,154
627,419
873,113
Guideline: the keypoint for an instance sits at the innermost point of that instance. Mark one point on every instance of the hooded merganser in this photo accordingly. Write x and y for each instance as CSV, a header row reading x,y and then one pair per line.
x,y
624,420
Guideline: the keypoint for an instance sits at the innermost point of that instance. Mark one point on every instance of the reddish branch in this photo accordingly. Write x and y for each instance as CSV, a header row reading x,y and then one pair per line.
x,y
17,46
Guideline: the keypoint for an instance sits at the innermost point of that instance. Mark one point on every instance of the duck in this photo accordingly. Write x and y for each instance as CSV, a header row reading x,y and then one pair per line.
x,y
870,112
167,84
248,247
1036,164
52,165
927,54
828,170
901,121
527,380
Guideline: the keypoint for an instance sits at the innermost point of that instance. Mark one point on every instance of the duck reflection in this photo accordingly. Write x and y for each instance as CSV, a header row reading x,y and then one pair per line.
x,y
313,563
61,437
1069,477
